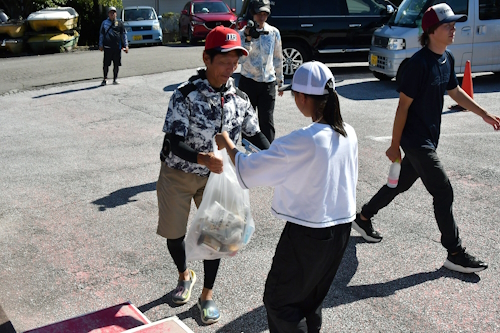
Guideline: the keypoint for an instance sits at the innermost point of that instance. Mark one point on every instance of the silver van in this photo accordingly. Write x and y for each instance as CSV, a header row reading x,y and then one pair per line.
x,y
477,39
142,25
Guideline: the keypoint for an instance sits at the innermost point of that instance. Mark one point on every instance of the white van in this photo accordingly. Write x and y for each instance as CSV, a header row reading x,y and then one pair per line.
x,y
477,39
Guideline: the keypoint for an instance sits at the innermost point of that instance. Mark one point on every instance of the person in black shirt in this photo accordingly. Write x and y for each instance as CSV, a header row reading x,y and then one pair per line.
x,y
112,38
429,74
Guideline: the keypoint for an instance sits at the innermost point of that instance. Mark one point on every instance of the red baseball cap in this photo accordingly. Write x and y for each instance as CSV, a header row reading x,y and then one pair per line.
x,y
224,40
440,13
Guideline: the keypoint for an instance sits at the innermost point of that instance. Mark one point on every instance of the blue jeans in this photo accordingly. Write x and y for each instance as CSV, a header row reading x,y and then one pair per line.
x,y
423,163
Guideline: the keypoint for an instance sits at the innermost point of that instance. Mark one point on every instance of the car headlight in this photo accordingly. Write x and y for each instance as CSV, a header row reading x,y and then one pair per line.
x,y
396,44
156,26
193,22
128,29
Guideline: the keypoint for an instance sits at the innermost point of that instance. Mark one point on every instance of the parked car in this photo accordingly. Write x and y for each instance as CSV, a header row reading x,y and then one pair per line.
x,y
198,17
477,39
142,25
339,30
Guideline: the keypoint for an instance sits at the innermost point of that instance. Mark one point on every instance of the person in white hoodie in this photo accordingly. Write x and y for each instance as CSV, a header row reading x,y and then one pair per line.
x,y
314,171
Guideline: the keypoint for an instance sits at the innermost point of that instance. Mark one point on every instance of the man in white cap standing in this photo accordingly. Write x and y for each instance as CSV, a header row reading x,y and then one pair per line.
x,y
262,70
429,74
112,39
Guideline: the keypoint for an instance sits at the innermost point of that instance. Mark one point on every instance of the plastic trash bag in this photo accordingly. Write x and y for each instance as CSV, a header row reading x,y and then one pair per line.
x,y
223,224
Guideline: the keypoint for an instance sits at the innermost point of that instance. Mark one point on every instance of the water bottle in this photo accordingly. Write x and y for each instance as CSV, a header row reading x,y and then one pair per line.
x,y
392,180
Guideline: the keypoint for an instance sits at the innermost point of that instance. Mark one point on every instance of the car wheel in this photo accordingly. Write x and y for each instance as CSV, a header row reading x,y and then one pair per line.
x,y
294,55
401,69
183,38
382,77
192,40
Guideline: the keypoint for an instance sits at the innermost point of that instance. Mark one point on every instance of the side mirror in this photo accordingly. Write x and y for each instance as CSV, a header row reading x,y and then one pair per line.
x,y
233,10
390,9
184,12
159,17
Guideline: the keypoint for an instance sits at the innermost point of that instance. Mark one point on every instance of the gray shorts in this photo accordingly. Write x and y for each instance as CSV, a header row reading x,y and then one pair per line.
x,y
175,190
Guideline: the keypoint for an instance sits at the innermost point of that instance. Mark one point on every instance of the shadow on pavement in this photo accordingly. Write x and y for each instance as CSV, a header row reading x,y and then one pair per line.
x,y
374,90
67,91
193,312
122,196
341,294
5,324
171,87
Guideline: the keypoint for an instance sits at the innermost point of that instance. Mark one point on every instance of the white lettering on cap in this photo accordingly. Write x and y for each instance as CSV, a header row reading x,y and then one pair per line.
x,y
231,37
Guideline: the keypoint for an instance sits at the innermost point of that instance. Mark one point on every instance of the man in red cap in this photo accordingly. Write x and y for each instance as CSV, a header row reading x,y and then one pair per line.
x,y
429,74
200,108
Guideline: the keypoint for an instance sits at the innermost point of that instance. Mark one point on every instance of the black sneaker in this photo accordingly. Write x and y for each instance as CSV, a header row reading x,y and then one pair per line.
x,y
103,83
464,263
365,229
115,82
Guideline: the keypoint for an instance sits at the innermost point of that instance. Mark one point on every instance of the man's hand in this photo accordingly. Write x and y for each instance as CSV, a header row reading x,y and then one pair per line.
x,y
492,120
213,163
101,48
125,49
393,153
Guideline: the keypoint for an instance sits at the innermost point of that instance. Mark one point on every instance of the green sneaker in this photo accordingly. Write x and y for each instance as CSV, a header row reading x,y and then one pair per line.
x,y
182,292
209,311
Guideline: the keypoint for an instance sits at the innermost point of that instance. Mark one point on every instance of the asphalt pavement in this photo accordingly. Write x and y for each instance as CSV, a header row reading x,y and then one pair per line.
x,y
78,212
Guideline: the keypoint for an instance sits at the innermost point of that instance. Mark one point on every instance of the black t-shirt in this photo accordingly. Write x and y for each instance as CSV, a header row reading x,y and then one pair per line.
x,y
426,78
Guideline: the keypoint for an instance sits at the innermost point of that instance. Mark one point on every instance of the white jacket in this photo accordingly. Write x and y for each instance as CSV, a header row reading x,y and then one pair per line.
x,y
314,171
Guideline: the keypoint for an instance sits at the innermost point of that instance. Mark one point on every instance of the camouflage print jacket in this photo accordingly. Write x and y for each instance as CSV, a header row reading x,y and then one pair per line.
x,y
195,113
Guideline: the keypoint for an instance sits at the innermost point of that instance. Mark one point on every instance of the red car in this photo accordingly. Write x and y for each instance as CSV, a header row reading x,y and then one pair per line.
x,y
200,16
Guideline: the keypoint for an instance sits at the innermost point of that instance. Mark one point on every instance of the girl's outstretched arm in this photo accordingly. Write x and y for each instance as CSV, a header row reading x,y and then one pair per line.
x,y
223,141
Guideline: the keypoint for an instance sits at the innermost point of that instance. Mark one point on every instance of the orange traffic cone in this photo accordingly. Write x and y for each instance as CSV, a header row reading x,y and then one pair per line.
x,y
466,86
467,80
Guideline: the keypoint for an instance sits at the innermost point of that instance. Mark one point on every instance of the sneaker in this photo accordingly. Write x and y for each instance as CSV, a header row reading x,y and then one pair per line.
x,y
464,263
365,229
115,82
209,311
182,292
103,83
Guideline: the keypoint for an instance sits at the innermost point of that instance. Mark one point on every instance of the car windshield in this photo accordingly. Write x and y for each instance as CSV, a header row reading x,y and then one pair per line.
x,y
409,13
210,7
139,14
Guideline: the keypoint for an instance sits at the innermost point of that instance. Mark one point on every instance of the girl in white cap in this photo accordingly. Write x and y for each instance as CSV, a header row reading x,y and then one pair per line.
x,y
314,171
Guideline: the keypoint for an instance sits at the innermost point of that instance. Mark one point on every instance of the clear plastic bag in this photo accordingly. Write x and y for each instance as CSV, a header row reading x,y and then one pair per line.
x,y
223,224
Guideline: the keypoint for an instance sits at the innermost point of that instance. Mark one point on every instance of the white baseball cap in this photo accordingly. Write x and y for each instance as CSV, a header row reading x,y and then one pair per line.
x,y
111,8
438,14
311,79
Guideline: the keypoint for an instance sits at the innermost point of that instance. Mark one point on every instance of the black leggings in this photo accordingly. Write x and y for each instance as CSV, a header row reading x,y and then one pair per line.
x,y
177,250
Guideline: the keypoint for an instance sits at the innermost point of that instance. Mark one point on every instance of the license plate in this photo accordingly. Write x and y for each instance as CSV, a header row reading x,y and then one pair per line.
x,y
137,37
373,60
